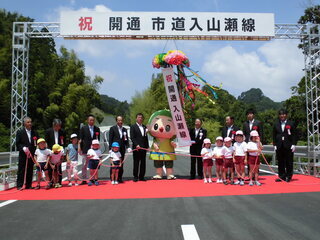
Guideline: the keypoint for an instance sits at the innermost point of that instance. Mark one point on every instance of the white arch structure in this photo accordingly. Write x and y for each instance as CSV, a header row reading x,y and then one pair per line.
x,y
309,34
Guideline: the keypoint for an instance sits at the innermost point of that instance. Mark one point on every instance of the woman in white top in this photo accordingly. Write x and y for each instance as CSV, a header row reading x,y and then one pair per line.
x,y
41,158
55,161
240,157
206,154
228,160
218,157
254,148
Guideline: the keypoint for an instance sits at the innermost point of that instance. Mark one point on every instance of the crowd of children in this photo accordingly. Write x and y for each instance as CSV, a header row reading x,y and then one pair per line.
x,y
231,158
47,162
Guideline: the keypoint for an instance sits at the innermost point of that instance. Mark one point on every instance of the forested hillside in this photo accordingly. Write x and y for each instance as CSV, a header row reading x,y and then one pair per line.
x,y
260,101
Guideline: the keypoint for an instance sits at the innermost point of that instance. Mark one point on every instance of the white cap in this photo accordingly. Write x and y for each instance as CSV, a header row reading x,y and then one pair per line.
x,y
95,141
206,140
219,138
227,139
73,135
239,132
254,133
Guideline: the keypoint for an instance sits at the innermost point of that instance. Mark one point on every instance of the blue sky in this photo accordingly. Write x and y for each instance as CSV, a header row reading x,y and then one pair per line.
x,y
273,66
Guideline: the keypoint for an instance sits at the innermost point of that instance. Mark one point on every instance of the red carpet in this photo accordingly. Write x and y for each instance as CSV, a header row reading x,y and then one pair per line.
x,y
165,189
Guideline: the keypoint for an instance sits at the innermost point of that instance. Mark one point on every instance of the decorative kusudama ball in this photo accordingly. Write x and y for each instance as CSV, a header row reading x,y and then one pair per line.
x,y
172,57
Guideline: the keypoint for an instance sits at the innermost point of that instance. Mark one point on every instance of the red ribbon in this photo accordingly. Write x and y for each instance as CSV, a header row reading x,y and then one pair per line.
x,y
35,140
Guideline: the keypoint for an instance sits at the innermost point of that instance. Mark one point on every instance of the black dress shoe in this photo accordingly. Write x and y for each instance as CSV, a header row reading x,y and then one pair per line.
x,y
142,179
278,180
135,179
192,178
83,182
29,187
120,181
288,179
19,188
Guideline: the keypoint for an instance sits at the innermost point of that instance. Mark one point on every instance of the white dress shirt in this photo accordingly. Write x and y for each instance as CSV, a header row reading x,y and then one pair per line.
x,y
229,130
141,129
250,124
29,134
91,130
120,131
283,125
56,137
196,131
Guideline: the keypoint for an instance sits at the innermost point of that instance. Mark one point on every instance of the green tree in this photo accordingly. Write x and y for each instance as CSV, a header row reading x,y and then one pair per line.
x,y
57,87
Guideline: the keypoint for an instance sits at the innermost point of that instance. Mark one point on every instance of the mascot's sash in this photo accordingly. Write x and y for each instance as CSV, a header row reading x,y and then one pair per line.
x,y
175,107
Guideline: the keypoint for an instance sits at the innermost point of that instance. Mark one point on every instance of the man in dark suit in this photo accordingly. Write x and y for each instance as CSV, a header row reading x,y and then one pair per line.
x,y
55,135
284,141
26,142
139,138
252,124
229,130
197,135
119,134
88,133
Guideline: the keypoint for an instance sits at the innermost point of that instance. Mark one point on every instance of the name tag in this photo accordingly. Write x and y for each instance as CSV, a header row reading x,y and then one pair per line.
x,y
282,138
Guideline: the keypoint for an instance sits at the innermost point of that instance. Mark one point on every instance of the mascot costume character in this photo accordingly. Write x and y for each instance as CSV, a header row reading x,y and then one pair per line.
x,y
161,127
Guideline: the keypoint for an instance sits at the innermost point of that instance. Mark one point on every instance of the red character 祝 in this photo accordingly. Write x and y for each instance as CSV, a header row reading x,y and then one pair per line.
x,y
85,23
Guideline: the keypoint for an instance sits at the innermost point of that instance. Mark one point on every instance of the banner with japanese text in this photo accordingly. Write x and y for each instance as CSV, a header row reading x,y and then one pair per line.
x,y
113,24
182,131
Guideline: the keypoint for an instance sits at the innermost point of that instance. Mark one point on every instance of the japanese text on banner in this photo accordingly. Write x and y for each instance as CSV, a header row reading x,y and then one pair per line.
x,y
175,107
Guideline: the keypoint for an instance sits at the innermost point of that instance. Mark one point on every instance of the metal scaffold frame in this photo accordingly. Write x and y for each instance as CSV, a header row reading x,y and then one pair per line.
x,y
312,83
23,31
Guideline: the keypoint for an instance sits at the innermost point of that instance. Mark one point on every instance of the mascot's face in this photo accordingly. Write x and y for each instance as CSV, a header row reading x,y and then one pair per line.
x,y
162,127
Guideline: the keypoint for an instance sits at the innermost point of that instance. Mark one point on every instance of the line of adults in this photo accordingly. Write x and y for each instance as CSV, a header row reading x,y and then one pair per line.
x,y
284,141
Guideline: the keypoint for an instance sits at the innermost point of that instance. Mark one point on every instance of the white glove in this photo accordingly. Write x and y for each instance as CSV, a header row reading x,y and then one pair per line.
x,y
293,148
129,150
26,150
275,148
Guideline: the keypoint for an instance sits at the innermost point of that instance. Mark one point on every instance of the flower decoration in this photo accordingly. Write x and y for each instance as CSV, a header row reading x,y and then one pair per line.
x,y
35,140
288,127
187,86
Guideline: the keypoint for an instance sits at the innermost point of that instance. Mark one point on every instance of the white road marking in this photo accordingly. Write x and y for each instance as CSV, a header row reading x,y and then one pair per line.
x,y
7,202
265,171
189,232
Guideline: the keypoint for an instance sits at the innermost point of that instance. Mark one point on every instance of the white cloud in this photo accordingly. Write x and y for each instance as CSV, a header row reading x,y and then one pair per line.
x,y
113,85
109,77
274,68
97,8
54,15
94,48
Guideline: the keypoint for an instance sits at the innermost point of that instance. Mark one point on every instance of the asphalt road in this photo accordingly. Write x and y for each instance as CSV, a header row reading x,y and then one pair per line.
x,y
281,216
274,216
